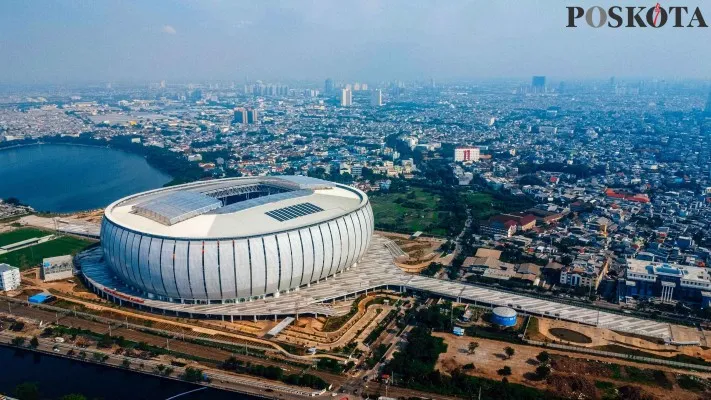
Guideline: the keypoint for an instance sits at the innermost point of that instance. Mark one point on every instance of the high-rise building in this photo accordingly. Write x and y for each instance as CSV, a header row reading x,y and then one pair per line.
x,y
346,98
252,116
240,116
245,116
282,90
707,110
538,84
328,86
376,98
195,95
466,154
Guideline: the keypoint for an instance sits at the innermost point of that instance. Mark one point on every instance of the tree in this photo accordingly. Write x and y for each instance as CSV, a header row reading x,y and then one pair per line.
x,y
231,364
105,341
126,363
13,201
634,393
121,341
168,371
34,342
27,391
160,368
193,374
505,371
543,357
543,371
472,347
509,351
18,341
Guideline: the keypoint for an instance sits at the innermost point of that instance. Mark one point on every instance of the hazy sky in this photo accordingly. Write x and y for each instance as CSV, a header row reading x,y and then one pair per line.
x,y
105,40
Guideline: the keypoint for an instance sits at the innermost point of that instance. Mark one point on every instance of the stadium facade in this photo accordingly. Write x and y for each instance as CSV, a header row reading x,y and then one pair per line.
x,y
237,239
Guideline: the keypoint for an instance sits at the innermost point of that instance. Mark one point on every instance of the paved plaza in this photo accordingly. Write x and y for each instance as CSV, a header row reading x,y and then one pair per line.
x,y
375,271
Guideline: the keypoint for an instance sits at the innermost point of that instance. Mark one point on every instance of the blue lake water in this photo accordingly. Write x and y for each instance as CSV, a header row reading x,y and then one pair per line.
x,y
66,178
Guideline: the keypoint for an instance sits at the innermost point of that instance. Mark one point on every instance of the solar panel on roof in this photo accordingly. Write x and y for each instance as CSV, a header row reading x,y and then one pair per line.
x,y
295,211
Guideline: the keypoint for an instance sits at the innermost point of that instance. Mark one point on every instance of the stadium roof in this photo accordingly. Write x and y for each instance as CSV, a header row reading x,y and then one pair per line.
x,y
235,207
175,207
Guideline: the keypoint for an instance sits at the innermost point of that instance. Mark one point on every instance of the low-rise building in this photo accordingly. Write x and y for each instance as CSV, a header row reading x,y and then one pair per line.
x,y
665,281
9,277
586,274
494,227
57,268
466,154
507,224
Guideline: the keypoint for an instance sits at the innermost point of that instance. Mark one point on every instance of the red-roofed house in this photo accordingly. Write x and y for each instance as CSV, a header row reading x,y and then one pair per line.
x,y
508,224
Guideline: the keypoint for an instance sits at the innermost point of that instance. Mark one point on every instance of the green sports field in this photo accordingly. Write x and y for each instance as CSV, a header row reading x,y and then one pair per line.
x,y
32,256
20,235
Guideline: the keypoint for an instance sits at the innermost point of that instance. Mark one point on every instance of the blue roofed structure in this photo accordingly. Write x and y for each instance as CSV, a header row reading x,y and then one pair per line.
x,y
40,298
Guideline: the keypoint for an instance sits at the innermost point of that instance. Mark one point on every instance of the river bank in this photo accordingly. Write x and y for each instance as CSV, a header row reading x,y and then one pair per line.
x,y
109,379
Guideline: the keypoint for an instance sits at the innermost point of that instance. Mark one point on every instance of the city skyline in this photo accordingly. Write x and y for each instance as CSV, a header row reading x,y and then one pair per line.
x,y
367,41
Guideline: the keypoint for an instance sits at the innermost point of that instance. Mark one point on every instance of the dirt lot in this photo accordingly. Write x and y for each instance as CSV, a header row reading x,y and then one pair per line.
x,y
419,252
604,337
489,357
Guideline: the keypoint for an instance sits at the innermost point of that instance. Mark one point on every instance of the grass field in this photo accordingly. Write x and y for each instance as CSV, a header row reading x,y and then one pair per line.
x,y
436,212
32,256
484,205
409,212
20,235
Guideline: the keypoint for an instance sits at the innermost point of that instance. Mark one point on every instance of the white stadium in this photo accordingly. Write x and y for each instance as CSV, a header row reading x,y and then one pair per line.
x,y
235,240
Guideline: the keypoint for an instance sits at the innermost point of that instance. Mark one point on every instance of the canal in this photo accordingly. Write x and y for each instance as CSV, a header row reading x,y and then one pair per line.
x,y
57,376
